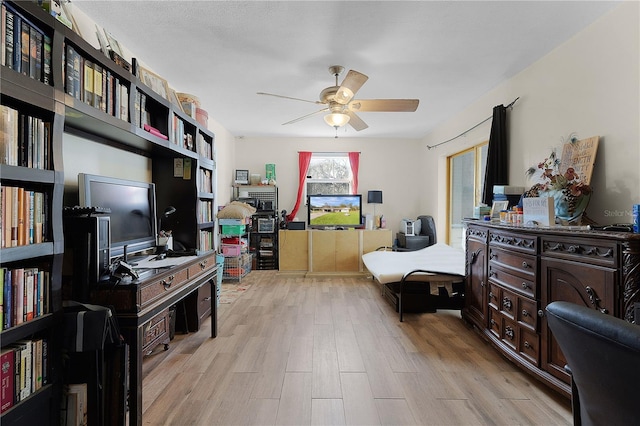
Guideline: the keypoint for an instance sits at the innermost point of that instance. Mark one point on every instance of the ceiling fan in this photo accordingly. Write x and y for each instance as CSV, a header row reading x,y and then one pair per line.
x,y
340,106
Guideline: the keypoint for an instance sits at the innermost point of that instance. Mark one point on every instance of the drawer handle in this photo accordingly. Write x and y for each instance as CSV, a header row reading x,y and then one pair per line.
x,y
540,313
525,265
573,249
492,274
482,283
203,264
525,285
492,256
493,322
525,313
506,303
490,295
509,332
206,299
527,345
167,282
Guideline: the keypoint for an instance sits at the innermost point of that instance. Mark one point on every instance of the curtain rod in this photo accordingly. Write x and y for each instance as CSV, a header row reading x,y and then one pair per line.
x,y
510,106
331,152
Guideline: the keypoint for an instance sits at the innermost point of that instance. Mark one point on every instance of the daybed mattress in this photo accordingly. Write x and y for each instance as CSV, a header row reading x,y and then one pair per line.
x,y
391,266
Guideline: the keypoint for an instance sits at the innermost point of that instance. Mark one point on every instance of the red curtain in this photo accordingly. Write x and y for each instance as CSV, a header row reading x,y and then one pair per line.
x,y
304,158
354,160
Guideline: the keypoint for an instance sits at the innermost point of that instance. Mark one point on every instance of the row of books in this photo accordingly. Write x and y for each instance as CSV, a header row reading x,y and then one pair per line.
x,y
25,140
180,137
24,371
95,85
205,211
23,216
205,184
206,240
142,116
204,147
25,48
24,296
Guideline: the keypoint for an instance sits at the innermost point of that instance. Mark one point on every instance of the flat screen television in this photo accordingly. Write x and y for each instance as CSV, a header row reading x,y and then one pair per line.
x,y
133,210
334,211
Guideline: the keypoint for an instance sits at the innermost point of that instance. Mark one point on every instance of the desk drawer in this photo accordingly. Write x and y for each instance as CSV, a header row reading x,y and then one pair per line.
x,y
156,331
159,288
204,264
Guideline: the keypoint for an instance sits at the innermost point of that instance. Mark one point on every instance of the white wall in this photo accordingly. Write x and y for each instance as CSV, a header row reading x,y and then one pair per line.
x,y
385,164
590,85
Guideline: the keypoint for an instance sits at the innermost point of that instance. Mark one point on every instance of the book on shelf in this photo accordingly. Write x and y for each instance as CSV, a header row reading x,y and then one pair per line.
x,y
25,295
7,378
155,132
97,86
88,91
7,299
47,77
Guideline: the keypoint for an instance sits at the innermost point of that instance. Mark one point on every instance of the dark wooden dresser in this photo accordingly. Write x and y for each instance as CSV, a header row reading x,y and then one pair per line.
x,y
513,273
142,309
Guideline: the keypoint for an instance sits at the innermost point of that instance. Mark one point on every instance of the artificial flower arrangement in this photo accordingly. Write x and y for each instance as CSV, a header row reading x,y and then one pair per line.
x,y
571,194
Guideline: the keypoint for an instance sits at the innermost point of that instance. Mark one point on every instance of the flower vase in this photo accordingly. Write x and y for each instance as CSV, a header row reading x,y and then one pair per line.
x,y
568,209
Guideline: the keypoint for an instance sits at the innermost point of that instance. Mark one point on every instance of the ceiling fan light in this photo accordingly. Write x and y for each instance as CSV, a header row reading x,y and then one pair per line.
x,y
343,95
336,119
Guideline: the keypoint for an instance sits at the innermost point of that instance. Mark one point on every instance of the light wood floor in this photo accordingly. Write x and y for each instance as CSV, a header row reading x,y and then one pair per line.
x,y
331,351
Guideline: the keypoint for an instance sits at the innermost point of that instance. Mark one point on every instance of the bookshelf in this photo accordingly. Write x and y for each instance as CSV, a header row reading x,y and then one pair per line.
x,y
74,88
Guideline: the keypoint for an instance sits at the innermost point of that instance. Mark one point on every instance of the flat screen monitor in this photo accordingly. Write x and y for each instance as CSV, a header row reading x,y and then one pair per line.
x,y
133,210
334,211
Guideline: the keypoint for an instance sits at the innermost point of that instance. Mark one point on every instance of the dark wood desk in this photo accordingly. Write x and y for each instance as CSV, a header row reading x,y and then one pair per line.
x,y
142,310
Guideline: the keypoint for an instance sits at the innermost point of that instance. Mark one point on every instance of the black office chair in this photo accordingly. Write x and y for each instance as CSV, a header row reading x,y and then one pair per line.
x,y
603,358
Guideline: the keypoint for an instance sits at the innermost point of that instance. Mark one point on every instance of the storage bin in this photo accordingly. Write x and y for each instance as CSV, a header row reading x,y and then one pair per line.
x,y
231,250
232,221
233,229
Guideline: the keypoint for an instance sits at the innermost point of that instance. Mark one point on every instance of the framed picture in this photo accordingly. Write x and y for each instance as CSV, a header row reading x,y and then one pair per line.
x,y
173,97
242,177
113,43
154,82
497,207
104,45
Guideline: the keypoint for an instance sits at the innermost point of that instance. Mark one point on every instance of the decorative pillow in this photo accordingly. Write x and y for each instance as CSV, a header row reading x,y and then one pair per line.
x,y
236,210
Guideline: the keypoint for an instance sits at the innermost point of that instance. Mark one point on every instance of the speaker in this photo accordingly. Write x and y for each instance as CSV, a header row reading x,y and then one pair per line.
x,y
296,225
88,238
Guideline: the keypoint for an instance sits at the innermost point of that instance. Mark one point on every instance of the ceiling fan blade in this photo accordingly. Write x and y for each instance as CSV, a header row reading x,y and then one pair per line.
x,y
288,97
306,116
350,85
355,121
384,105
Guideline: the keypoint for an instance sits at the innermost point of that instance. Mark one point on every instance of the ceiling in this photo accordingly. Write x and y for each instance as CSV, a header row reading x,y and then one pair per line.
x,y
447,54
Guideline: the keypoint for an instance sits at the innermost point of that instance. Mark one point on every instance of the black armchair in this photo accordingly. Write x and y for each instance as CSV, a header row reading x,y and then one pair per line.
x,y
603,358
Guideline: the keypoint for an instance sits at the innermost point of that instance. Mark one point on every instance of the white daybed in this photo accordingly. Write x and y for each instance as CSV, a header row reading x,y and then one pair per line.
x,y
408,273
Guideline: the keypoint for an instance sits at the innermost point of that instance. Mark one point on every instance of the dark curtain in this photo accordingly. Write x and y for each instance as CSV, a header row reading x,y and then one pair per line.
x,y
497,171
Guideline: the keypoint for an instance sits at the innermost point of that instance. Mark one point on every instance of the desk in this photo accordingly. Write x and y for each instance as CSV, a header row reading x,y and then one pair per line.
x,y
141,309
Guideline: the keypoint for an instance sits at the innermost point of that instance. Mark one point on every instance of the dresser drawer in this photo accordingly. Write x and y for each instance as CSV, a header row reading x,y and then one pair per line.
x,y
517,263
509,333
506,279
495,323
598,252
523,243
495,296
527,313
529,346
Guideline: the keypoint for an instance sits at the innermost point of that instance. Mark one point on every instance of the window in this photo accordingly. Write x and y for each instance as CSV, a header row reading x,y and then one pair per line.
x,y
466,183
329,174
